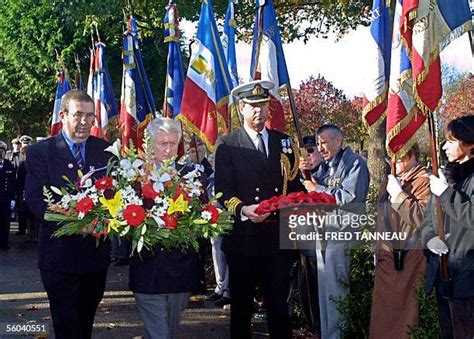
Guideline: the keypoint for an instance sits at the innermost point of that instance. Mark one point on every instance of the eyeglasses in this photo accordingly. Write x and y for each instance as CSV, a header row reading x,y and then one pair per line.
x,y
80,115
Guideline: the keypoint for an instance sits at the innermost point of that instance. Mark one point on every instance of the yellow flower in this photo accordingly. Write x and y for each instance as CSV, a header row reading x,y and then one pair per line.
x,y
114,224
112,205
178,205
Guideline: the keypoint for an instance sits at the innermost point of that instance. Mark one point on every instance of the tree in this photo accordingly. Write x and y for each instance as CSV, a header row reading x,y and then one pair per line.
x,y
31,32
458,100
319,102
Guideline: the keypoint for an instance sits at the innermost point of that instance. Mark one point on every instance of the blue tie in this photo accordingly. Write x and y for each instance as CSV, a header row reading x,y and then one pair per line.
x,y
76,149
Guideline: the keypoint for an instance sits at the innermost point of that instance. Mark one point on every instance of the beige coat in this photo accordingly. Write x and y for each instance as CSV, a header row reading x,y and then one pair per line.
x,y
394,307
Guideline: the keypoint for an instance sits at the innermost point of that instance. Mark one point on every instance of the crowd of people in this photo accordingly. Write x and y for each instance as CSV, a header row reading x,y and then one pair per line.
x,y
12,188
252,164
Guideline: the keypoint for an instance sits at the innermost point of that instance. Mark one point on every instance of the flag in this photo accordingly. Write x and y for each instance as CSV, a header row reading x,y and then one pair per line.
x,y
62,87
90,79
208,85
436,24
377,75
174,72
137,104
78,77
403,116
103,93
228,43
268,60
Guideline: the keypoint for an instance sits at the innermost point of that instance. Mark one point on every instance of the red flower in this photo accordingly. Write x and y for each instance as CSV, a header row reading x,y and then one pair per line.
x,y
170,221
134,215
179,192
85,205
264,207
214,213
104,183
149,192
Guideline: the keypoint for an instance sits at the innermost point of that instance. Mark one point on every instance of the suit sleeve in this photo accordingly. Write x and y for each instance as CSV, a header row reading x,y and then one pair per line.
x,y
225,183
36,178
411,207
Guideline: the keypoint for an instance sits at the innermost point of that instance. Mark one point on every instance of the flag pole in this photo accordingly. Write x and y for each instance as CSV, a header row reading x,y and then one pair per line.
x,y
296,121
438,210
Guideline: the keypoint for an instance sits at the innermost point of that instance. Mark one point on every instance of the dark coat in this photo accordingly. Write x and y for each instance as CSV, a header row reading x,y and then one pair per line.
x,y
457,204
245,176
7,183
47,162
164,271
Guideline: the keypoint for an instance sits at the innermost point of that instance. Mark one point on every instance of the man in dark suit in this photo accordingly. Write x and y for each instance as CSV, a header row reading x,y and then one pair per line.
x,y
7,195
73,269
248,170
162,280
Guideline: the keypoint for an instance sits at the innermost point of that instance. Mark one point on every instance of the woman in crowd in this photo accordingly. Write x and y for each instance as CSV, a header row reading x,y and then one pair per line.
x,y
455,192
400,264
162,280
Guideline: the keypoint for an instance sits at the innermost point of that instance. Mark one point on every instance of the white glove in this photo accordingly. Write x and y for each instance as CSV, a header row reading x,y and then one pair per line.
x,y
394,188
438,185
437,246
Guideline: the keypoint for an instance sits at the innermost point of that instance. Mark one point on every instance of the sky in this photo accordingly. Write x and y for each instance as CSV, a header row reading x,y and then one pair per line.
x,y
342,62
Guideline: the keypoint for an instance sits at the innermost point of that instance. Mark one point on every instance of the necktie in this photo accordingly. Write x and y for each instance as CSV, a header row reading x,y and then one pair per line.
x,y
77,155
261,145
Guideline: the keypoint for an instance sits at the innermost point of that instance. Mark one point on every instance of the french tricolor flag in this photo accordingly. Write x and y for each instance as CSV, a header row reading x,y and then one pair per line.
x,y
62,87
437,23
268,60
378,72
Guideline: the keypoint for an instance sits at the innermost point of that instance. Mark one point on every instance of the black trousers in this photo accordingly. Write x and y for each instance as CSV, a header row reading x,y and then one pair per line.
x,y
73,300
4,223
308,292
273,272
456,317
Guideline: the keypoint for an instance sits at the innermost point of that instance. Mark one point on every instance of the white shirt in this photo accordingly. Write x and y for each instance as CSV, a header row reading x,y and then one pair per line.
x,y
254,137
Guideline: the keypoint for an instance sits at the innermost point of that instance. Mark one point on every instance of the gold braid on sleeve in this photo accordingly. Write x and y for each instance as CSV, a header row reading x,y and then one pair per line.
x,y
232,204
285,171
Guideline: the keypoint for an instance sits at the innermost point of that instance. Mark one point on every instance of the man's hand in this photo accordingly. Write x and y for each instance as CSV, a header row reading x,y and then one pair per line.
x,y
310,185
249,212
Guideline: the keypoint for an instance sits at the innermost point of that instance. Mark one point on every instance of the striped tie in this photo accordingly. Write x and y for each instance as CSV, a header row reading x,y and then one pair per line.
x,y
76,149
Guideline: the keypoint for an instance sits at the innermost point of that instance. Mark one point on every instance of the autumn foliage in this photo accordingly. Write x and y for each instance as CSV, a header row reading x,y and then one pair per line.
x,y
459,100
319,102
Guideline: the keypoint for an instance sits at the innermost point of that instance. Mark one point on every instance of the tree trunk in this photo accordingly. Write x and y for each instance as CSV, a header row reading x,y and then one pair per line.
x,y
378,168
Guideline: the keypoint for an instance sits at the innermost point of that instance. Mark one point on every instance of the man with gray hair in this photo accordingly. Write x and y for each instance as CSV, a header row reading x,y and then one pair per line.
x,y
344,175
162,280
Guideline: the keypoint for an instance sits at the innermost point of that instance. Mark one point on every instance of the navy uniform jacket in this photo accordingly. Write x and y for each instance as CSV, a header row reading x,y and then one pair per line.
x,y
47,161
7,183
245,176
164,271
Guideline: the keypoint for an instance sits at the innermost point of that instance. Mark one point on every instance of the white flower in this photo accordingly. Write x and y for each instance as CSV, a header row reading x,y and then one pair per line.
x,y
193,174
81,215
115,148
159,222
137,163
125,164
206,215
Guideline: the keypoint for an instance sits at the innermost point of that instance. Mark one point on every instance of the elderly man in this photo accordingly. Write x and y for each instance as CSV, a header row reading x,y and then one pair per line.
x,y
7,195
73,268
162,281
344,175
248,170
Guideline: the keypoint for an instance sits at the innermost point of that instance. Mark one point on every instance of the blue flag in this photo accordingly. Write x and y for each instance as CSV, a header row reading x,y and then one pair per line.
x,y
174,73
